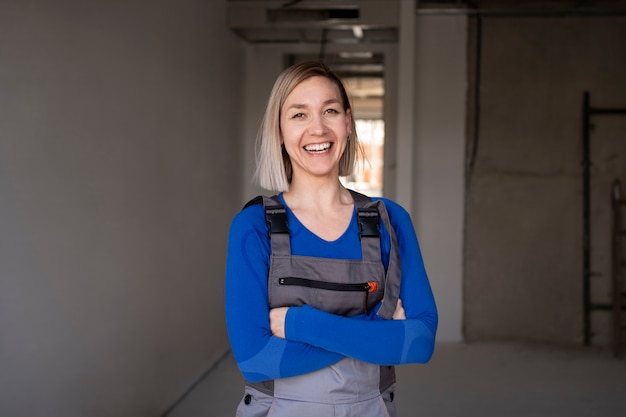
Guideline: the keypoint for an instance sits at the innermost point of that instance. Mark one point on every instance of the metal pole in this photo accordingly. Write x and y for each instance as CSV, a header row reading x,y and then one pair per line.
x,y
616,254
586,163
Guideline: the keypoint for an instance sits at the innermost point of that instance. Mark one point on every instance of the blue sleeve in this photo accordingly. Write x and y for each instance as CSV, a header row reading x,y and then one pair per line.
x,y
367,338
260,355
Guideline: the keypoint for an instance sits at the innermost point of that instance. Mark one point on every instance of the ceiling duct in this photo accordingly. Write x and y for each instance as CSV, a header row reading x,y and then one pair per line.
x,y
335,21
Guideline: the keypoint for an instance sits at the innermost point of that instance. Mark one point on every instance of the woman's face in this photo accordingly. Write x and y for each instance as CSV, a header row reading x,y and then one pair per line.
x,y
315,128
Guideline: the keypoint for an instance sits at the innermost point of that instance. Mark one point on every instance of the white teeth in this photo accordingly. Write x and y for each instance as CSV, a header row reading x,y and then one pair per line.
x,y
317,147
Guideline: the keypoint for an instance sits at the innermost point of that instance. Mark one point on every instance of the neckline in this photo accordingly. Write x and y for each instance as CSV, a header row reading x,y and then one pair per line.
x,y
341,237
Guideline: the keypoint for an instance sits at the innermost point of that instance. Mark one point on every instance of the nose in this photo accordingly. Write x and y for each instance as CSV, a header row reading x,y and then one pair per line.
x,y
317,127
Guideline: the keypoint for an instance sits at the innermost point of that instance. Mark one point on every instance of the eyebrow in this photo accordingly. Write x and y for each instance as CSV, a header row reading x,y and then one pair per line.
x,y
304,106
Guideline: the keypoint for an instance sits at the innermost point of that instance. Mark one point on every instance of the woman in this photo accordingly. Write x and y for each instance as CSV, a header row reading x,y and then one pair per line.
x,y
319,309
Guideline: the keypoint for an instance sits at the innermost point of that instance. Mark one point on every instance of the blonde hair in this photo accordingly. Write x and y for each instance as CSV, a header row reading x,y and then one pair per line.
x,y
273,165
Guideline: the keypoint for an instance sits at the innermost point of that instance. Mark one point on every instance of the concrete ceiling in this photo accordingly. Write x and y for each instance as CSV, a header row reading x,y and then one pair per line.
x,y
376,21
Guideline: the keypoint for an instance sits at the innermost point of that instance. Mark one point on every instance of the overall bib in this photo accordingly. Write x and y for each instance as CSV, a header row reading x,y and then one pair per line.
x,y
348,388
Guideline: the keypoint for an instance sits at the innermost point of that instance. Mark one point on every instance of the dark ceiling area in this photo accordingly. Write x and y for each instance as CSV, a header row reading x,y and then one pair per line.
x,y
524,7
376,21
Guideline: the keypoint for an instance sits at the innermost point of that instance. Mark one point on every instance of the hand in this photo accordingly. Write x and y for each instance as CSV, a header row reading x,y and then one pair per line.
x,y
277,321
399,314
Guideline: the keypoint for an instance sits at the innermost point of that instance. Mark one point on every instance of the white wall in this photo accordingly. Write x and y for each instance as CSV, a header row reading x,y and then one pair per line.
x,y
439,149
119,127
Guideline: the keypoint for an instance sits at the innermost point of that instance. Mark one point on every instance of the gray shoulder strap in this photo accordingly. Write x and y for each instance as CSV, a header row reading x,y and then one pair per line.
x,y
366,207
277,227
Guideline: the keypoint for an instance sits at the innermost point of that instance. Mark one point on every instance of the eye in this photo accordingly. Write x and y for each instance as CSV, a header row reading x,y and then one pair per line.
x,y
297,116
331,111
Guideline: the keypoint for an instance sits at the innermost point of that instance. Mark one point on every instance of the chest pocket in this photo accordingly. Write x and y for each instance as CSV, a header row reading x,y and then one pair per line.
x,y
338,286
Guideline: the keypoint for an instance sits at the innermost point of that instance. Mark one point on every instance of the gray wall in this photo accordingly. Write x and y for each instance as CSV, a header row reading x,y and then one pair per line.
x,y
119,149
523,239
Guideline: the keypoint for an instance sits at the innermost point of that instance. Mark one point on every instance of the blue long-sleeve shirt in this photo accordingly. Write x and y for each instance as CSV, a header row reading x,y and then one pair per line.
x,y
315,339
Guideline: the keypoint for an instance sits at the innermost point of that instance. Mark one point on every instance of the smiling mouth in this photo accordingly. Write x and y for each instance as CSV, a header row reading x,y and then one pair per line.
x,y
318,147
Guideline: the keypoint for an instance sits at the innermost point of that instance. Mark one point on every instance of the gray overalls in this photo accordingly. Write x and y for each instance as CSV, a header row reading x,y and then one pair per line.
x,y
348,388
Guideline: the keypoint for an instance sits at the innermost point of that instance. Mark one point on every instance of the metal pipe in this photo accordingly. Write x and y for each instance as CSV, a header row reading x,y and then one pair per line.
x,y
586,163
600,111
617,269
538,13
464,7
477,81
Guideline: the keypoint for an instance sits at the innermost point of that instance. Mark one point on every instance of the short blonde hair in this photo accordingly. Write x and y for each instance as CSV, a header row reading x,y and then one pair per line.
x,y
273,165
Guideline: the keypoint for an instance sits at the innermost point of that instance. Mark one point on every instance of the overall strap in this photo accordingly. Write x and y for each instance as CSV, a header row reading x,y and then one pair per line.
x,y
276,219
277,227
367,222
368,219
